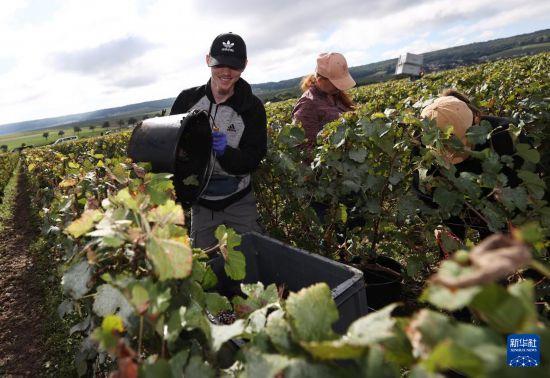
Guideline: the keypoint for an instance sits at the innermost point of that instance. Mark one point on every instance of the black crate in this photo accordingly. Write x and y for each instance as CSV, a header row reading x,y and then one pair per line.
x,y
271,261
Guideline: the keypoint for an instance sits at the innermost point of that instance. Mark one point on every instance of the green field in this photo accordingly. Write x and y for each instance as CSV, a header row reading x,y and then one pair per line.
x,y
36,138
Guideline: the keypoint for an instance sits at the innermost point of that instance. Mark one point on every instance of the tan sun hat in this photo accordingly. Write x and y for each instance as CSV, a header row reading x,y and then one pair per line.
x,y
449,111
334,67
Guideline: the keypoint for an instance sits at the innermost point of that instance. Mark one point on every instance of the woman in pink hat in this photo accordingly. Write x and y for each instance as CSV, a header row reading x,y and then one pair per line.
x,y
324,98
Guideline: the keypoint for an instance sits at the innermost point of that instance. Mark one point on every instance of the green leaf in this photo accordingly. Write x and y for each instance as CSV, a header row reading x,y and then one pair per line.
x,y
298,134
121,173
358,155
501,310
178,362
198,368
351,186
398,348
449,201
191,181
235,265
342,213
278,331
467,184
374,183
257,298
525,292
167,213
66,307
531,233
514,198
448,355
195,318
445,298
299,368
171,259
312,312
109,300
378,366
105,334
427,329
75,280
126,199
414,265
470,336
222,333
215,303
495,215
209,279
333,349
159,187
372,328
533,183
396,178
82,225
159,368
175,324
491,164
140,296
264,365
235,262
479,134
527,153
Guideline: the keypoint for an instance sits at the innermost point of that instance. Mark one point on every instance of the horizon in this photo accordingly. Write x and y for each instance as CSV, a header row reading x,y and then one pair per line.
x,y
120,63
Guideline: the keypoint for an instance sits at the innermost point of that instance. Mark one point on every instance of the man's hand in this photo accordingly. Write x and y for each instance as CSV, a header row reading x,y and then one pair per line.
x,y
219,142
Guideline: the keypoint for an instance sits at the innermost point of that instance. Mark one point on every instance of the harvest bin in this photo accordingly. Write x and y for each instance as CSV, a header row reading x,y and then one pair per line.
x,y
271,261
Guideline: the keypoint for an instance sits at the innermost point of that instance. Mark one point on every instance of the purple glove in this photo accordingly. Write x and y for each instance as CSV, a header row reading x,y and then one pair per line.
x,y
219,142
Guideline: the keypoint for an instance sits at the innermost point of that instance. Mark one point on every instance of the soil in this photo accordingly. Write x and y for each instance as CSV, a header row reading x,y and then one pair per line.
x,y
21,305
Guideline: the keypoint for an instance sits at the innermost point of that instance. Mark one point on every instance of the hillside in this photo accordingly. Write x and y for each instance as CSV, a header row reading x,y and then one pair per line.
x,y
96,116
525,44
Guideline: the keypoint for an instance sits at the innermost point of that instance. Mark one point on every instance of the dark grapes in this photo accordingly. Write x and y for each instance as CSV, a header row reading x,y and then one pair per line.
x,y
227,317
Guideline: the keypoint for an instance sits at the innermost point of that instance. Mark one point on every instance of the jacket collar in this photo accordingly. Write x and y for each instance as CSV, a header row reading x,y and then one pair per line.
x,y
240,101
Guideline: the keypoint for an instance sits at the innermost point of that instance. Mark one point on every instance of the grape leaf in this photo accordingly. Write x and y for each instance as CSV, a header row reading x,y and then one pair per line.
x,y
80,226
171,258
312,312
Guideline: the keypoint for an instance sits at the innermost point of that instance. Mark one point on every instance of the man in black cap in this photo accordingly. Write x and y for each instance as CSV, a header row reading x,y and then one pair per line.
x,y
239,134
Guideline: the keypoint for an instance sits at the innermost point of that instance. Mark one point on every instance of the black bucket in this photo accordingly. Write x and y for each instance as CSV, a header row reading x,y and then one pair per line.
x,y
382,286
179,144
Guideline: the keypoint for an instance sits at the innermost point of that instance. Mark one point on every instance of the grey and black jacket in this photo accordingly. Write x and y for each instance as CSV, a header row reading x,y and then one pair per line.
x,y
242,118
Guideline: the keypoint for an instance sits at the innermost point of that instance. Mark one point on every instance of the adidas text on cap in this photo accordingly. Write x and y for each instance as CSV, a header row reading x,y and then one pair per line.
x,y
228,50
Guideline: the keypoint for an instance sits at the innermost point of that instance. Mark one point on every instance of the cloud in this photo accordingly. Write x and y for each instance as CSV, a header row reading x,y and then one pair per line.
x,y
138,80
74,56
277,24
103,57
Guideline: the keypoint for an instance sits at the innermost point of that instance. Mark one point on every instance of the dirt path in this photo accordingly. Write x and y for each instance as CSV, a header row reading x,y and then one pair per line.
x,y
21,293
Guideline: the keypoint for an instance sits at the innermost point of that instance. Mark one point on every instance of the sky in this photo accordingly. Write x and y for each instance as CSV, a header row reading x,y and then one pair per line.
x,y
62,57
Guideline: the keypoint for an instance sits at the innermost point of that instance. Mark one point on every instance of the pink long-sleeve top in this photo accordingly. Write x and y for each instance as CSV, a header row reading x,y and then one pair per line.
x,y
315,109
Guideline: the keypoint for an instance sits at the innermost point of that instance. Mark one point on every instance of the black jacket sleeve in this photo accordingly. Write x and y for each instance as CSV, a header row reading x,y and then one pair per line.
x,y
253,144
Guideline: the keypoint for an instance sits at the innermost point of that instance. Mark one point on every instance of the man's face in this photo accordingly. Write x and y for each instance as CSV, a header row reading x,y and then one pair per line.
x,y
224,77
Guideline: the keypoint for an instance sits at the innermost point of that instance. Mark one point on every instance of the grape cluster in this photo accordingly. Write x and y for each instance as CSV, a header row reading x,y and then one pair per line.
x,y
227,317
